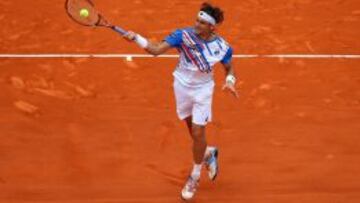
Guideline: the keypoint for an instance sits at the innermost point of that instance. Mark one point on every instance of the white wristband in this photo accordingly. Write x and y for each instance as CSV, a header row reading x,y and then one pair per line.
x,y
141,41
230,79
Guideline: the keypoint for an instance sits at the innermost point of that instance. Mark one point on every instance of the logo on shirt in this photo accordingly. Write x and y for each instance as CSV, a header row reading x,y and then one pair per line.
x,y
217,52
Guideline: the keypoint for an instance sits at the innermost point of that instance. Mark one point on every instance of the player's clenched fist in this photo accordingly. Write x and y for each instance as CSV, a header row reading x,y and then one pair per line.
x,y
130,36
138,39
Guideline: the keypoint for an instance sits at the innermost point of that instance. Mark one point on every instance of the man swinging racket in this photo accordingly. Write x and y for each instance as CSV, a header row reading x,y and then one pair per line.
x,y
200,49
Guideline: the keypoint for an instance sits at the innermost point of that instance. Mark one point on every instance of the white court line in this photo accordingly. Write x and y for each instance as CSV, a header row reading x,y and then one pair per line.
x,y
129,56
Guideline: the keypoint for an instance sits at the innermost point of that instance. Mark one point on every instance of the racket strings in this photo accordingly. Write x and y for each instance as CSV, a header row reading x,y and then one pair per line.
x,y
74,8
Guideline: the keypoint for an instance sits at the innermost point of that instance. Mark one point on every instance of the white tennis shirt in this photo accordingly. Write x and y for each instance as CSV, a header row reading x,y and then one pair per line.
x,y
197,56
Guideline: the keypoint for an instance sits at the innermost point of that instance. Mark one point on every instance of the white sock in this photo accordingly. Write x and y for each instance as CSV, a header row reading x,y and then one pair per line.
x,y
196,172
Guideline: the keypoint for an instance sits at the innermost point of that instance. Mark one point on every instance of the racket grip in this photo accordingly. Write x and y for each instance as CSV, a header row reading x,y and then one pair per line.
x,y
119,30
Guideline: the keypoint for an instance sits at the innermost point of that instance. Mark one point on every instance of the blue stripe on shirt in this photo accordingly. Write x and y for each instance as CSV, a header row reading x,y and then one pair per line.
x,y
228,56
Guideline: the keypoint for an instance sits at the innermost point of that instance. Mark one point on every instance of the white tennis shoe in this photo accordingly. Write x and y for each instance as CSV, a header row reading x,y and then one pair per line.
x,y
189,190
212,165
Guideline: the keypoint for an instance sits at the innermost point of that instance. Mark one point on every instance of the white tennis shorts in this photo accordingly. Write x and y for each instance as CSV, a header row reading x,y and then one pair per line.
x,y
195,102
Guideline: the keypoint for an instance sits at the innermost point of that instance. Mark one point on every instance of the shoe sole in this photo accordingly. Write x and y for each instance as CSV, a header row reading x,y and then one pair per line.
x,y
185,200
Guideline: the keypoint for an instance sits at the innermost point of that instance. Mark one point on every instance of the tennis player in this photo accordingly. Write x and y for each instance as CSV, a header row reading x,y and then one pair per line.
x,y
200,49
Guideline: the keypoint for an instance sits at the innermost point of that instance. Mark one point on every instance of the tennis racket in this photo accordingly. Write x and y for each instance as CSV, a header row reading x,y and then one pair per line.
x,y
93,19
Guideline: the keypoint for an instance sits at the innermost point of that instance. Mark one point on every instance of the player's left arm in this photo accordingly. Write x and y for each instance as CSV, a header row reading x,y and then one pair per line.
x,y
230,81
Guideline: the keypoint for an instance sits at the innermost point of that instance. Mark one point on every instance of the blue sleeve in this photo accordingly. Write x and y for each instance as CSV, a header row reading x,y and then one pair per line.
x,y
175,38
228,56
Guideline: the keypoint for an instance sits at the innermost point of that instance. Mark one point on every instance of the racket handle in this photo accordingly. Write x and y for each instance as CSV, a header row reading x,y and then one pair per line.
x,y
119,30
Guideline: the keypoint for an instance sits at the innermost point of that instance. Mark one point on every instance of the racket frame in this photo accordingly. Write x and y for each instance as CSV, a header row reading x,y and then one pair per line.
x,y
101,22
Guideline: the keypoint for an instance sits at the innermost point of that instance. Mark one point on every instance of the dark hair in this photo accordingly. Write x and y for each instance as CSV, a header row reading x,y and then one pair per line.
x,y
215,12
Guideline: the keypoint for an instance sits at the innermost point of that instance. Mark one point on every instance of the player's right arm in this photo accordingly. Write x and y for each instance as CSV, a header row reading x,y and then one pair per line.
x,y
173,40
152,48
158,49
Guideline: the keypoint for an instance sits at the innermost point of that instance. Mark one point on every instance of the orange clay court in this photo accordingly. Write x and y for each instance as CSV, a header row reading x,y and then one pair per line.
x,y
105,130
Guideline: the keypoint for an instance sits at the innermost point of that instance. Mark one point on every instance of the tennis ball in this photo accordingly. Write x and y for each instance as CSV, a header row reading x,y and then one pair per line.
x,y
84,13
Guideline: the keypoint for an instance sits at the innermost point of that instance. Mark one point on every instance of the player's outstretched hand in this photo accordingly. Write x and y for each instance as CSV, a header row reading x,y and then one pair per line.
x,y
130,36
231,88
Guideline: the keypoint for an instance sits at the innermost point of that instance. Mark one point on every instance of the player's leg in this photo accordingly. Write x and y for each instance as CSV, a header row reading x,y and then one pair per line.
x,y
199,143
188,122
184,105
197,133
209,149
201,115
199,148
